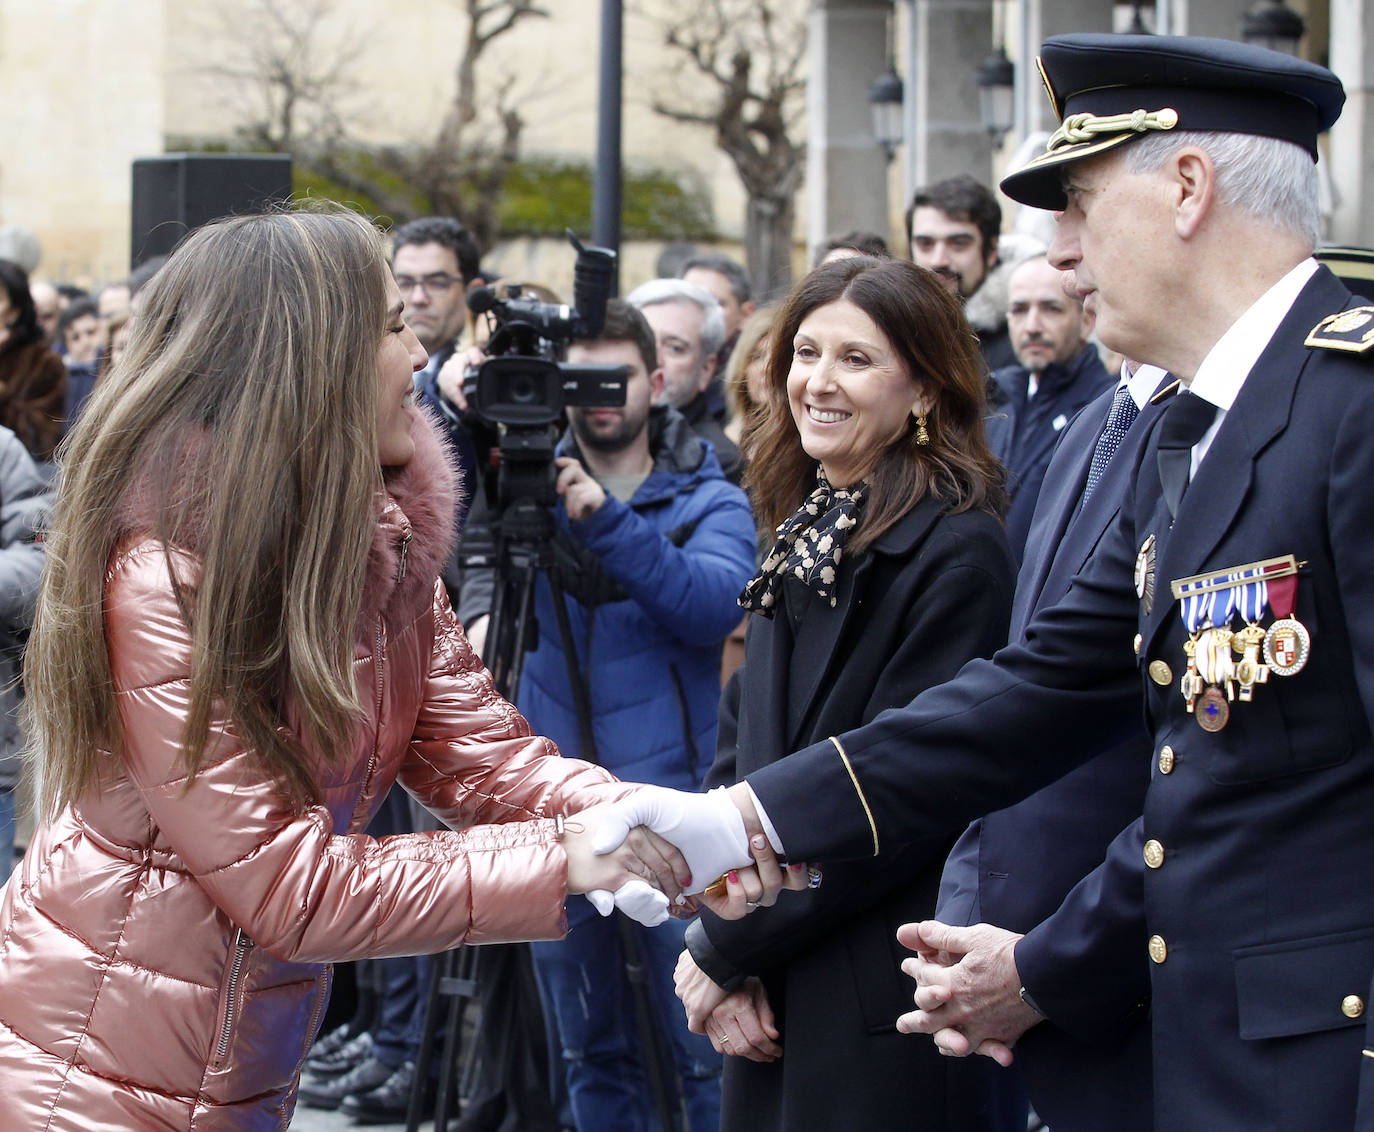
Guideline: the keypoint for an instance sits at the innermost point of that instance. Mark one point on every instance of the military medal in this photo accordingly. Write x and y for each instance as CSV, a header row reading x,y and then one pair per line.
x,y
1212,710
1191,683
1145,574
1287,644
1212,676
1252,599
1213,652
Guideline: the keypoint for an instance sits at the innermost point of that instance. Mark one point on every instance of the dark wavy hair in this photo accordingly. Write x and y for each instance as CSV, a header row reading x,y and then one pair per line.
x,y
925,325
24,329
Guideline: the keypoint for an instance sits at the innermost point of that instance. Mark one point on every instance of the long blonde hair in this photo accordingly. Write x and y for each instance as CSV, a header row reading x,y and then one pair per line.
x,y
245,411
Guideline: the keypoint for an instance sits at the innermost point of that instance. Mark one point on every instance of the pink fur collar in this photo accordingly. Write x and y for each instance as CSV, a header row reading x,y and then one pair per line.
x,y
420,497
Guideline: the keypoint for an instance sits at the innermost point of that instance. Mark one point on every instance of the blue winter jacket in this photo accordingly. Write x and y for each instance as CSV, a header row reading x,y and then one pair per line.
x,y
651,595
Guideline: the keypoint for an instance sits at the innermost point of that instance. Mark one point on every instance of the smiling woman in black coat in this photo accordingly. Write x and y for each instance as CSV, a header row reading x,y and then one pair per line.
x,y
890,571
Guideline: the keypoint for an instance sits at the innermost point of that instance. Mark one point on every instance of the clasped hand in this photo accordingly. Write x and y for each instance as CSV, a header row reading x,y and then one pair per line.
x,y
738,1022
968,991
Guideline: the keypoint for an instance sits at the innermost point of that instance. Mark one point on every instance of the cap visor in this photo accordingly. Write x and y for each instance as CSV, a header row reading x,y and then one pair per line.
x,y
1038,184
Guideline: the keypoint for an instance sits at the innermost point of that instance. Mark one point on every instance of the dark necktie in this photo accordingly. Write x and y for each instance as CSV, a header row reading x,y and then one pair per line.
x,y
1185,422
1119,420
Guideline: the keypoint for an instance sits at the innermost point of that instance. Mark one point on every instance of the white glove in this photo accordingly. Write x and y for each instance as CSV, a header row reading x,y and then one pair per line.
x,y
706,828
638,899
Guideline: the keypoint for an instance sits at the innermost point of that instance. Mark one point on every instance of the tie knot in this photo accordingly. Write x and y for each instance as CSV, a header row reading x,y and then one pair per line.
x,y
1124,409
1185,421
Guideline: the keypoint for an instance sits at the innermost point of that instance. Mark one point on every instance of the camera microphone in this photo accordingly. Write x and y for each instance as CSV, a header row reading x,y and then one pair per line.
x,y
481,300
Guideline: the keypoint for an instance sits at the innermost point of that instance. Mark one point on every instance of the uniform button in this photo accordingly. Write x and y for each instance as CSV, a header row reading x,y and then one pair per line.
x,y
1166,759
1139,640
1161,673
1159,950
1154,856
1352,1006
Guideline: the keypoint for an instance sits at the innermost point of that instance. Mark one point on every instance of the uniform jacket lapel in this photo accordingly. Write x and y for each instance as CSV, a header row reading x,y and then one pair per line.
x,y
1260,413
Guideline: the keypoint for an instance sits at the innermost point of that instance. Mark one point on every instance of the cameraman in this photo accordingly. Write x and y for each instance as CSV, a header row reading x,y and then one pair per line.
x,y
654,546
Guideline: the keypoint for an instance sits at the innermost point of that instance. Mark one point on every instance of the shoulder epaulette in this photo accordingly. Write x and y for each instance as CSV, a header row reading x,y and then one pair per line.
x,y
1351,331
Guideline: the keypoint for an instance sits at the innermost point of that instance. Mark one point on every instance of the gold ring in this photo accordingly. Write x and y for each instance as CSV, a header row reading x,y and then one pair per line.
x,y
725,1039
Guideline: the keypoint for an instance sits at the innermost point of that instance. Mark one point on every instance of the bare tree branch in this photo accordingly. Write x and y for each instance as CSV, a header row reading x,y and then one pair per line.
x,y
742,76
291,64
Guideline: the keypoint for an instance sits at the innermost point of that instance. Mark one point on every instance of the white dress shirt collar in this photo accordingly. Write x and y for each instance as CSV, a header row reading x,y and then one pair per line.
x,y
1142,383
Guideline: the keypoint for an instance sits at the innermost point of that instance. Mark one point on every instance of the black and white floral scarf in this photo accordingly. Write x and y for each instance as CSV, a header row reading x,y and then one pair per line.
x,y
809,547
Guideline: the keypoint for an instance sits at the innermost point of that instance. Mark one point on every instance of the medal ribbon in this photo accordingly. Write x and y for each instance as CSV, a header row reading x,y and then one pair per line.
x,y
1228,598
1282,594
1192,609
1254,597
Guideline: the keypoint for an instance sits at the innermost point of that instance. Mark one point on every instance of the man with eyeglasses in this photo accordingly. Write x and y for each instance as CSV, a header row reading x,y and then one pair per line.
x,y
435,259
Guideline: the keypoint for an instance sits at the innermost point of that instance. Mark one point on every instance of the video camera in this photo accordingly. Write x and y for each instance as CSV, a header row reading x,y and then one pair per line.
x,y
522,390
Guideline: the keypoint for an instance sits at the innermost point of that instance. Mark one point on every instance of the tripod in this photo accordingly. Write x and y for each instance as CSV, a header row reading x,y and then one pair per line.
x,y
522,549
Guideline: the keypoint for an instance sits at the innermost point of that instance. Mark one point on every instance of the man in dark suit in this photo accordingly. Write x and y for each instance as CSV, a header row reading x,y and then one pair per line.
x,y
1188,215
1089,1063
1057,372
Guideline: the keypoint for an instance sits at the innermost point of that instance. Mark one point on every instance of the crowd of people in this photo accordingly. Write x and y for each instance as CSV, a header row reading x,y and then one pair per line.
x,y
1002,603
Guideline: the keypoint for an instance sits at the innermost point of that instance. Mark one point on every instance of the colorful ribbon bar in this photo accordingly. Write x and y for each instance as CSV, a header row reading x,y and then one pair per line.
x,y
1267,570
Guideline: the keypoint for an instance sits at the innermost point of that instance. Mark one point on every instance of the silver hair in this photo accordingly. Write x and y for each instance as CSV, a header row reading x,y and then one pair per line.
x,y
657,291
1266,177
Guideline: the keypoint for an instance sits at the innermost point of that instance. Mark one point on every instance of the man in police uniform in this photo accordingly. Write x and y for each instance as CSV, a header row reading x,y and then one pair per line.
x,y
1188,201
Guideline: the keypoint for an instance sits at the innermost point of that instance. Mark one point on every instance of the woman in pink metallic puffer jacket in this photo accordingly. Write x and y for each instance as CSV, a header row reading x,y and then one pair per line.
x,y
240,645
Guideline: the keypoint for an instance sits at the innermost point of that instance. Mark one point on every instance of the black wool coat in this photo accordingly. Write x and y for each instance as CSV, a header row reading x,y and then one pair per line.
x,y
932,592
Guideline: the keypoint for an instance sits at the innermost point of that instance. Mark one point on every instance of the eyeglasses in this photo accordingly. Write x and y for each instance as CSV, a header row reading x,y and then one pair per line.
x,y
435,284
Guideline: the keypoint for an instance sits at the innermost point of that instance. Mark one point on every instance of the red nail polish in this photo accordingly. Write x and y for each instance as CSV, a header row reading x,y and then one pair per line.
x,y
732,876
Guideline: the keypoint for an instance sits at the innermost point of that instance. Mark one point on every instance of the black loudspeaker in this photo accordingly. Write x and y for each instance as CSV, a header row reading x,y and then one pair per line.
x,y
181,191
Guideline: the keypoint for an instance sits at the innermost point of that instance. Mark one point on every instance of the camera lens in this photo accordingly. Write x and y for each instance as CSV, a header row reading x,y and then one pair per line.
x,y
522,390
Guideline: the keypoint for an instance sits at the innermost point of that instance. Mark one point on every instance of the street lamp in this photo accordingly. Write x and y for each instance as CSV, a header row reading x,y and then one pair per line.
x,y
1272,24
1137,25
885,96
996,93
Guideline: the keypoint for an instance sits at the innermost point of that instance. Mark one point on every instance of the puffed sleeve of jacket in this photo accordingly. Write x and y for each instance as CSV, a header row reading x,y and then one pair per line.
x,y
300,891
474,759
959,608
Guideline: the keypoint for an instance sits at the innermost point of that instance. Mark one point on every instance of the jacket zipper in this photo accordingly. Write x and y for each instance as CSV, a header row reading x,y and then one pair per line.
x,y
685,714
376,738
321,997
242,946
406,536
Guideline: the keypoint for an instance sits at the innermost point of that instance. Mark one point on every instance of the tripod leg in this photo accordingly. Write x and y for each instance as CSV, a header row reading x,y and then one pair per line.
x,y
659,1066
426,1052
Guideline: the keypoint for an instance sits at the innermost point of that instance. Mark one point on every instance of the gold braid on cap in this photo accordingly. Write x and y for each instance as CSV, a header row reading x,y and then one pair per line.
x,y
1079,128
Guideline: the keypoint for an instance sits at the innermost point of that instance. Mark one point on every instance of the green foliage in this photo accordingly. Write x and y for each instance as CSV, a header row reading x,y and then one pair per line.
x,y
542,197
365,168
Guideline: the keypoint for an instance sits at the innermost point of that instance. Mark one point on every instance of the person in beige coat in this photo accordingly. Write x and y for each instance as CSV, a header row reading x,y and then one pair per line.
x,y
241,642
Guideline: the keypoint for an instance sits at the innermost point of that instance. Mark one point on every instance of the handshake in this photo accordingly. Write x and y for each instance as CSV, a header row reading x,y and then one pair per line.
x,y
674,845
